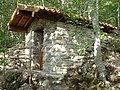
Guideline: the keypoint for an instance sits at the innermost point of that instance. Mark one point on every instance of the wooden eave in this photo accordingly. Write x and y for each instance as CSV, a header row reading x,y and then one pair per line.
x,y
24,15
103,26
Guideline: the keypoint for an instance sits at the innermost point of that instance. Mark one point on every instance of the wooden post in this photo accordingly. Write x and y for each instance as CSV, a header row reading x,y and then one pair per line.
x,y
41,58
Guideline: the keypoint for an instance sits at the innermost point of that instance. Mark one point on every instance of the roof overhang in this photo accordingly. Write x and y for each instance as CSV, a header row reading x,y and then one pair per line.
x,y
24,15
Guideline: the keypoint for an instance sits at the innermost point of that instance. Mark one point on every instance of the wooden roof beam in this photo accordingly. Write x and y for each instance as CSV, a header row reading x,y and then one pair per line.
x,y
29,21
17,29
25,13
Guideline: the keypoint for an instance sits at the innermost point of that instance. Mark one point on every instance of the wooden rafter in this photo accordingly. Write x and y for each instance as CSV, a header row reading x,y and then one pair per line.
x,y
17,29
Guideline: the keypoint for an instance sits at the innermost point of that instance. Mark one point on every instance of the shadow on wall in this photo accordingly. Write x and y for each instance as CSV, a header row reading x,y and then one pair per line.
x,y
59,47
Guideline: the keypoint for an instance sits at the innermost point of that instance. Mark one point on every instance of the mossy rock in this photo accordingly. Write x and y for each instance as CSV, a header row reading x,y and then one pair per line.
x,y
116,45
12,80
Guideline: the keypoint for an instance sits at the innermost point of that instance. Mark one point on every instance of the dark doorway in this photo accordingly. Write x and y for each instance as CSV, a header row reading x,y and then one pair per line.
x,y
38,53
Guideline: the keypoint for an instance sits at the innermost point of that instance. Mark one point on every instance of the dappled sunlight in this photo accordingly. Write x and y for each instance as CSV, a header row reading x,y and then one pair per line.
x,y
114,57
59,46
52,46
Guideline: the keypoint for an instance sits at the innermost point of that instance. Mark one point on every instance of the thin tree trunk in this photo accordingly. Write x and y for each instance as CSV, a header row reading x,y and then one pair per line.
x,y
97,43
43,3
119,15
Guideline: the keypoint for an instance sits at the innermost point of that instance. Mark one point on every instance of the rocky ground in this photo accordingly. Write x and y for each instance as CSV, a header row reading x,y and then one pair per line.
x,y
82,77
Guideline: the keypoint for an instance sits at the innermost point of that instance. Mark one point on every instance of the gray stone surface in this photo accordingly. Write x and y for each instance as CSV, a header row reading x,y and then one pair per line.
x,y
25,86
58,45
58,51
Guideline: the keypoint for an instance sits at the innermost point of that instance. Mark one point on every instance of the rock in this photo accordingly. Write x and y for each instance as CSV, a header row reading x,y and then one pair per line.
x,y
25,86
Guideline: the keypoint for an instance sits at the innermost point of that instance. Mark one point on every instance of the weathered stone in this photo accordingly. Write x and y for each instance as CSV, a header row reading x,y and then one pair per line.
x,y
58,51
58,45
25,86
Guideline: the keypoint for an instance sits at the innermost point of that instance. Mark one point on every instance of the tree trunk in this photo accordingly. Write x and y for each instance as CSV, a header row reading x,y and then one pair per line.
x,y
43,3
97,43
119,15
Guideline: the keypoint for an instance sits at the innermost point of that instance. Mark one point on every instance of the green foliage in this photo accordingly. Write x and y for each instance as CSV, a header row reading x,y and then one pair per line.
x,y
3,49
7,7
108,12
12,80
103,35
116,45
83,40
4,62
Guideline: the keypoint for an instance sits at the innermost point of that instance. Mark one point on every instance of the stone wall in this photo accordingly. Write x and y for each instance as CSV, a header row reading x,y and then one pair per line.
x,y
58,49
59,53
58,46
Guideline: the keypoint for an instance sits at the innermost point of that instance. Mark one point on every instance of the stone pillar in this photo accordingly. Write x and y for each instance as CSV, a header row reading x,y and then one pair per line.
x,y
29,42
34,42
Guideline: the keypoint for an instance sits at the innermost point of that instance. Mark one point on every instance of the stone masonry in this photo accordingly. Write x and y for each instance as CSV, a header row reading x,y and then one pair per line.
x,y
58,45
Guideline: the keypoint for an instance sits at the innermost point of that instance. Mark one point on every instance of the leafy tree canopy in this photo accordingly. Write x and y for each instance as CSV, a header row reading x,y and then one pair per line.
x,y
74,8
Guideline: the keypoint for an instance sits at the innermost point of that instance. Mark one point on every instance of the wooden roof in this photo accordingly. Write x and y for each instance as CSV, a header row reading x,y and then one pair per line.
x,y
23,16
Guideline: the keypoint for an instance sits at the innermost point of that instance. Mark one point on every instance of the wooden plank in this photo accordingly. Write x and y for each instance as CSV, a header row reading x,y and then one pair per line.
x,y
17,29
41,58
28,7
22,21
28,22
15,20
12,17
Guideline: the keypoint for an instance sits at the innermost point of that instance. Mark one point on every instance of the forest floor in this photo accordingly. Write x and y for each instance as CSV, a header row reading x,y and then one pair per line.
x,y
84,77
